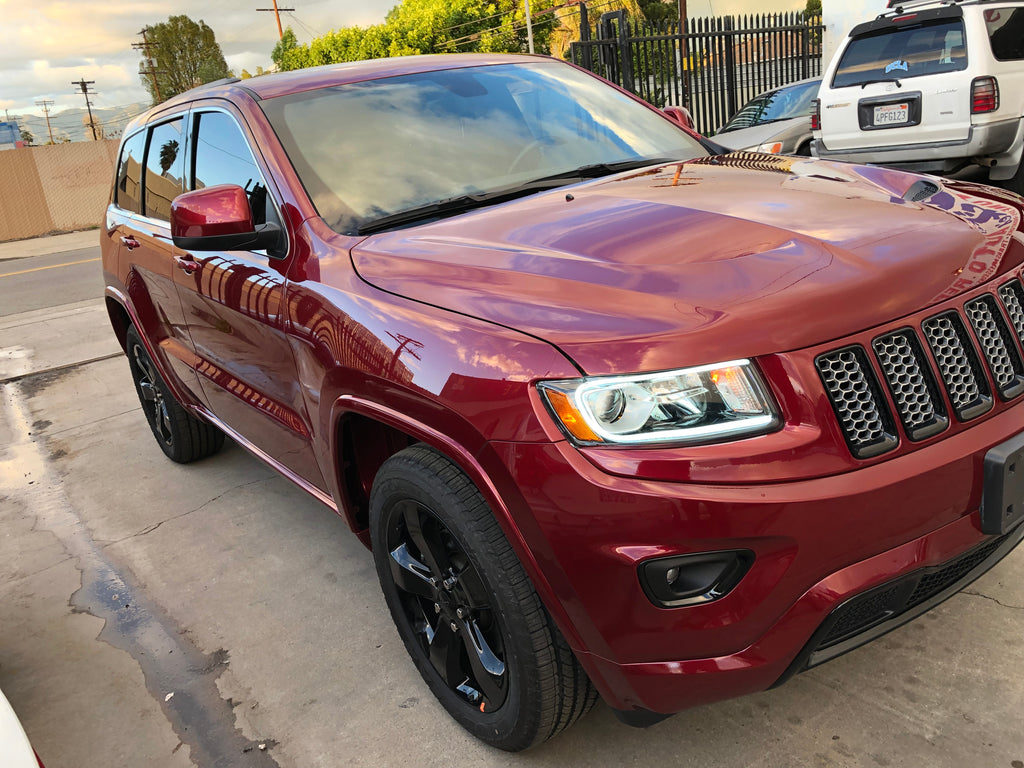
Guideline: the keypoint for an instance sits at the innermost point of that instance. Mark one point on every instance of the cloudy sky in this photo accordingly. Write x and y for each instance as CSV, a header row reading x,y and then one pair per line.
x,y
48,43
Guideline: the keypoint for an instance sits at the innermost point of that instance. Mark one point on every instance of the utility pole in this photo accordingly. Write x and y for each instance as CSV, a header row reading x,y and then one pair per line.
x,y
682,40
148,67
45,104
84,85
529,26
277,13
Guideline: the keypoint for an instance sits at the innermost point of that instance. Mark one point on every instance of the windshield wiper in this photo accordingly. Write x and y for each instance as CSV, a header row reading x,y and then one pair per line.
x,y
597,170
453,205
866,83
461,203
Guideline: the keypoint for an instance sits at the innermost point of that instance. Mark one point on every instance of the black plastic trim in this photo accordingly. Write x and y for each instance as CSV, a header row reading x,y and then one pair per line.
x,y
810,656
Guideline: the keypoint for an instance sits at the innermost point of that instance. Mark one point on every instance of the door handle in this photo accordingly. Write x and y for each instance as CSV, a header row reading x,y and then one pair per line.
x,y
130,242
187,266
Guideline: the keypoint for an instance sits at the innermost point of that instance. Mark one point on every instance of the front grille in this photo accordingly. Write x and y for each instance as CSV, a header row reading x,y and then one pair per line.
x,y
862,612
958,376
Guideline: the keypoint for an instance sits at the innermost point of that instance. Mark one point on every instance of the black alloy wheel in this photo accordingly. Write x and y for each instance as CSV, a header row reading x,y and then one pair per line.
x,y
181,436
465,608
446,605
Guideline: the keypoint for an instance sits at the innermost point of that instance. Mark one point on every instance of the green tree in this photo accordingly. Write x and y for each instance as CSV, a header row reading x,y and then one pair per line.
x,y
428,26
813,8
27,137
186,54
659,10
287,43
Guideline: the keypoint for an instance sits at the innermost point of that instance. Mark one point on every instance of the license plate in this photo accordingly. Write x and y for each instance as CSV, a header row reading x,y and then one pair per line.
x,y
892,114
1002,500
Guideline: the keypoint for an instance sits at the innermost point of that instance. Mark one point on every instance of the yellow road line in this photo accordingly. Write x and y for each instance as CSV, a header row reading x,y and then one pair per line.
x,y
54,266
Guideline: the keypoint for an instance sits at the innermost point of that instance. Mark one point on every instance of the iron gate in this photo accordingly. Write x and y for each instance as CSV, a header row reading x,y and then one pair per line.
x,y
714,68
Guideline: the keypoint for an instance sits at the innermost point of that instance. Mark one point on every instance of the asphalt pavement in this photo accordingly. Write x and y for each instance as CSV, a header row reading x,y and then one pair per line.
x,y
160,615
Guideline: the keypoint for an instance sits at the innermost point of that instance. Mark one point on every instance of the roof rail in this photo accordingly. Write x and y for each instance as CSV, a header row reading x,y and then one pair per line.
x,y
901,4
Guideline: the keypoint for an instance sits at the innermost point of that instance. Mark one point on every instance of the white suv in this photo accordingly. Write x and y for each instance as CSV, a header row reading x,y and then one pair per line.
x,y
929,86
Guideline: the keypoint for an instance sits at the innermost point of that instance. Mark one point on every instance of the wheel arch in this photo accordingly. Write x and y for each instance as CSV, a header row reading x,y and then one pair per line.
x,y
392,428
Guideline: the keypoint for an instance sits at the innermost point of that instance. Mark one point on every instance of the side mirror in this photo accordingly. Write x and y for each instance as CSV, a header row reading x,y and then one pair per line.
x,y
682,116
219,219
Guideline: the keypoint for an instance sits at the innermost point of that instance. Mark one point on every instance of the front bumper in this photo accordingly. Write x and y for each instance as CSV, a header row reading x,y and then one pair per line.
x,y
983,141
818,544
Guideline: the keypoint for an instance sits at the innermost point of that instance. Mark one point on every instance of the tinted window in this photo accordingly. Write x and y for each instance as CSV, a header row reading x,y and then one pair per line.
x,y
129,174
164,169
897,53
222,156
781,104
1006,32
368,150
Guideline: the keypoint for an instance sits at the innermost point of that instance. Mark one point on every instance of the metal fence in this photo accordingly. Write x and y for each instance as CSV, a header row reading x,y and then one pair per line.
x,y
713,68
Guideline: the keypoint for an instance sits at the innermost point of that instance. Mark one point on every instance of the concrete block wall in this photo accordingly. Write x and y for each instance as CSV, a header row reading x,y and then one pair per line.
x,y
54,188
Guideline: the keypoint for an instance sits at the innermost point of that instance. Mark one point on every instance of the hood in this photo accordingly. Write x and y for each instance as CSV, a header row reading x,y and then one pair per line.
x,y
703,261
762,134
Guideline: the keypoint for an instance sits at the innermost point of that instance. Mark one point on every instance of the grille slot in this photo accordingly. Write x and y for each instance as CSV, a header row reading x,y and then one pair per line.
x,y
958,364
857,401
913,387
1012,295
997,345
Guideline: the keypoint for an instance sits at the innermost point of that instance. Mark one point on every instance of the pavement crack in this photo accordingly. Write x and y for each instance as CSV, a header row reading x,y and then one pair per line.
x,y
54,433
150,528
973,593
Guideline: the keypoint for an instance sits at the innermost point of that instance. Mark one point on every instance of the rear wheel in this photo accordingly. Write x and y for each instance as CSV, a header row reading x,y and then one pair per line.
x,y
180,435
465,608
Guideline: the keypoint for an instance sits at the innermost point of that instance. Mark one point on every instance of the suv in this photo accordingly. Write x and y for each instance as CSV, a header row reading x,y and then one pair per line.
x,y
930,87
615,415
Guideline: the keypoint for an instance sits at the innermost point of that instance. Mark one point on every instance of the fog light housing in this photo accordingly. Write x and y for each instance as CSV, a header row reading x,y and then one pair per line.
x,y
680,580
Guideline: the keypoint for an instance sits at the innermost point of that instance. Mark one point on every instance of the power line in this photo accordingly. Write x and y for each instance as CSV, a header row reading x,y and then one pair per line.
x,y
84,85
313,33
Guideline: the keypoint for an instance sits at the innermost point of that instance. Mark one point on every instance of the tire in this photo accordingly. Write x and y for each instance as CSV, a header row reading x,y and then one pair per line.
x,y
804,150
181,436
465,608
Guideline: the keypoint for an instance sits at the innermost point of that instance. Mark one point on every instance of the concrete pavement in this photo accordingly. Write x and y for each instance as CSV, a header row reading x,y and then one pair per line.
x,y
153,614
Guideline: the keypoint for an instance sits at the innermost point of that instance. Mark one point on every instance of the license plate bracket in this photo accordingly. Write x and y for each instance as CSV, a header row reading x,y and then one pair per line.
x,y
1002,504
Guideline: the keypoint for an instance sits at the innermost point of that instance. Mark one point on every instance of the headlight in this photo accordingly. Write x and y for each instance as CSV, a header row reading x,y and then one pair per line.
x,y
705,404
771,148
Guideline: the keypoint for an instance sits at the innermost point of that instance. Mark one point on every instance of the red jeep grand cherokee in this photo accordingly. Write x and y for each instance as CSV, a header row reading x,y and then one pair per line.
x,y
616,416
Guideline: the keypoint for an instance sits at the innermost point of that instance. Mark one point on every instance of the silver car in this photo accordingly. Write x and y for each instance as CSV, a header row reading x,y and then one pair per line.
x,y
776,121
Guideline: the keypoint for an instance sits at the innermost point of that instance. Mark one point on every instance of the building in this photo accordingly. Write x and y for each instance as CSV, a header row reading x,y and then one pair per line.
x,y
10,136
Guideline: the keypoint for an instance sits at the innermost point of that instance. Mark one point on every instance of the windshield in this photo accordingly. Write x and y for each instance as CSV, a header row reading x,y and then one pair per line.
x,y
372,149
897,53
780,104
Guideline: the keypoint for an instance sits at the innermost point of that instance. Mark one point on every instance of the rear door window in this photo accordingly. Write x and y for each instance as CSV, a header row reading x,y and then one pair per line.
x,y
129,174
898,53
1006,32
165,165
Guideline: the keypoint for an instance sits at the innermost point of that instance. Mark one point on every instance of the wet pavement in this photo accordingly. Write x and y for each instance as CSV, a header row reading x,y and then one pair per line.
x,y
153,614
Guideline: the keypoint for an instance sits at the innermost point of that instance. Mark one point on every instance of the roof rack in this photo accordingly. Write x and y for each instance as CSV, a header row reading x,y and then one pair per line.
x,y
899,5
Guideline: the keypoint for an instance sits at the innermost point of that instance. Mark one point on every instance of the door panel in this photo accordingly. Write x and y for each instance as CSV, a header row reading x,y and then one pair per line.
x,y
232,303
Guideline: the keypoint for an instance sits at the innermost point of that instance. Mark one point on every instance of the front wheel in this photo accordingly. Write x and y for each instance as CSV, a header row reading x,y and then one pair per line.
x,y
466,609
